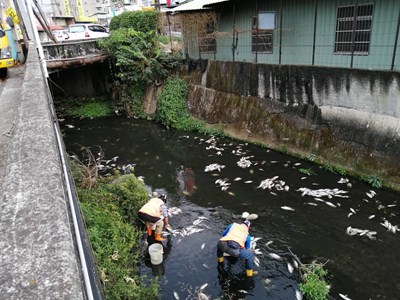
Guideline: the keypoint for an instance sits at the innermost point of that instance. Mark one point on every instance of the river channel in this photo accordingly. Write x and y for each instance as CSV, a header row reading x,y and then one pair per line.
x,y
324,216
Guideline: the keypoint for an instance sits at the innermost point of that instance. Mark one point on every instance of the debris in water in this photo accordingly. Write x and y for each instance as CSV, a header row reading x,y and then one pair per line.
x,y
245,215
203,286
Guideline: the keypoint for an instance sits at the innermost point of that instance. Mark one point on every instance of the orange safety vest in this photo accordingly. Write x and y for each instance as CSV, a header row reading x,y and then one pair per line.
x,y
237,233
153,207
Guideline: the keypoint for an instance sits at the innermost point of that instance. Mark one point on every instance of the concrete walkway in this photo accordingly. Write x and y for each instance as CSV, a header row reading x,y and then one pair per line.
x,y
38,258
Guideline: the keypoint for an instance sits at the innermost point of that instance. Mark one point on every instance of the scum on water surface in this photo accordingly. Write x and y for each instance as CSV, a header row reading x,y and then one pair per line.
x,y
210,183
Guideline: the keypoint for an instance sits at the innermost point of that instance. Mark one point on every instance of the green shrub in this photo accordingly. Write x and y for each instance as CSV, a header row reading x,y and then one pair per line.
x,y
112,241
282,148
138,20
314,286
306,171
374,180
129,194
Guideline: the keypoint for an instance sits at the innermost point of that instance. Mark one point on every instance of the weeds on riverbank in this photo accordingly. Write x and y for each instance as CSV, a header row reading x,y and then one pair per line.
x,y
171,109
314,286
84,107
109,209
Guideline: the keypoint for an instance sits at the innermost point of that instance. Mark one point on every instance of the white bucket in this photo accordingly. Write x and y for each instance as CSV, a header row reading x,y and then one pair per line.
x,y
156,253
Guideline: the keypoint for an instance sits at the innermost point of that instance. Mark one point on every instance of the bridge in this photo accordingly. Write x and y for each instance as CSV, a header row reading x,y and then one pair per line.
x,y
74,53
45,253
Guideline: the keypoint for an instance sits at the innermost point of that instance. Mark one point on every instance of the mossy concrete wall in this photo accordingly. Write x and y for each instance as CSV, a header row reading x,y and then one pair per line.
x,y
347,118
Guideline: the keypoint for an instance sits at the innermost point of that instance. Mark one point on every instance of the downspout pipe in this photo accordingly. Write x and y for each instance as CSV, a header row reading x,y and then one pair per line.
x,y
396,42
315,30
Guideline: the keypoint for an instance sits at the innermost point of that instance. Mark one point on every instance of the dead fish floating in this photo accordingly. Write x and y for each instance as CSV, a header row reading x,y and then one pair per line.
x,y
274,256
244,162
355,231
344,297
330,193
287,208
390,227
213,167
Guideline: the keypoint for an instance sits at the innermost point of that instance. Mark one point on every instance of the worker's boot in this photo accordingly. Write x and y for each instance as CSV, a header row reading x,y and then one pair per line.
x,y
158,238
250,273
149,229
220,260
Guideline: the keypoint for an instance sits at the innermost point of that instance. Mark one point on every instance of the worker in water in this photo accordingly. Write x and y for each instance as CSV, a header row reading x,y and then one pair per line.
x,y
236,241
155,215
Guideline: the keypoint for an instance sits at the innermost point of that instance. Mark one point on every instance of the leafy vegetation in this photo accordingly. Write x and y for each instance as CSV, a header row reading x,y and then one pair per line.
x,y
374,180
144,21
314,286
306,171
282,148
113,233
171,107
85,107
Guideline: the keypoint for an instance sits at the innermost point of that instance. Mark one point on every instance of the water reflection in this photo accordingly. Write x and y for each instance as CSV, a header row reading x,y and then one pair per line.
x,y
360,267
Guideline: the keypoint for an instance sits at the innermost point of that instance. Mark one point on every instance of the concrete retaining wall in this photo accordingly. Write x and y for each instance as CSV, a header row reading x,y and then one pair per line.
x,y
37,257
349,118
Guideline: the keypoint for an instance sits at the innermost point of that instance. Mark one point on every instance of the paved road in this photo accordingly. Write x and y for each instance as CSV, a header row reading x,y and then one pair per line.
x,y
10,99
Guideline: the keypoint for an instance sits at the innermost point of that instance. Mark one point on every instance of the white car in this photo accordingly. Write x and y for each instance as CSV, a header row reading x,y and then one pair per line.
x,y
86,31
60,35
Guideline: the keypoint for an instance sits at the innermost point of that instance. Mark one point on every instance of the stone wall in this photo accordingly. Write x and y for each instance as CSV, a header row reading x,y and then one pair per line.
x,y
347,118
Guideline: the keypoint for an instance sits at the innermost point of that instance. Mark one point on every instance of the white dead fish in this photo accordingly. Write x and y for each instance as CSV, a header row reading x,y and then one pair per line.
x,y
344,297
69,126
371,217
349,215
287,208
202,296
330,204
176,295
237,179
299,295
203,286
311,203
248,181
252,217
275,256
245,215
352,210
256,261
203,245
206,266
268,243
242,291
290,268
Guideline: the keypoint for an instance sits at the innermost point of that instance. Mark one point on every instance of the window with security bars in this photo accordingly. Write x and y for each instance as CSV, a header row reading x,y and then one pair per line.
x,y
208,43
262,32
353,29
261,41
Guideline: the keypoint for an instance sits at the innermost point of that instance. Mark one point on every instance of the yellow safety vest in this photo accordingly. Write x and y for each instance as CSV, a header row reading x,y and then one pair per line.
x,y
152,208
237,233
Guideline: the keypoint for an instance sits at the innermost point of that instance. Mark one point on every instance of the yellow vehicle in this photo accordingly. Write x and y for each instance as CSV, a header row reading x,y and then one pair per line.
x,y
6,60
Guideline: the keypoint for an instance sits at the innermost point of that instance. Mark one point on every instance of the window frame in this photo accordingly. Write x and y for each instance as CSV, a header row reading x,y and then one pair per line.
x,y
351,41
262,40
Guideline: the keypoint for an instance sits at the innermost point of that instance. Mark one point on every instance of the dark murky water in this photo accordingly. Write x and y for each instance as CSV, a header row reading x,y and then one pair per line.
x,y
359,267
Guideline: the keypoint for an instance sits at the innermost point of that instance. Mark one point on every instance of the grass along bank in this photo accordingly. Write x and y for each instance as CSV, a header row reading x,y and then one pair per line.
x,y
109,207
